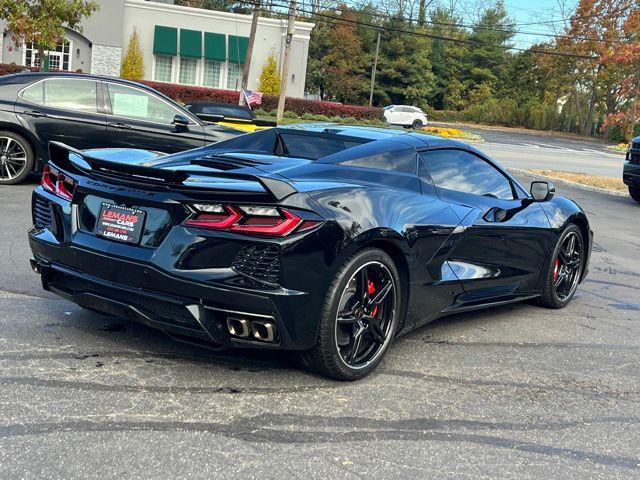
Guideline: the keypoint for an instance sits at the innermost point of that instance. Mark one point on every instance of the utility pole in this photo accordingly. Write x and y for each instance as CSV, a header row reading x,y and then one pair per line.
x,y
373,70
286,60
634,112
247,58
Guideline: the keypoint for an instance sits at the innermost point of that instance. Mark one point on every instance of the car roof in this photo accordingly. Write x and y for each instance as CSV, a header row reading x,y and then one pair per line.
x,y
420,141
32,76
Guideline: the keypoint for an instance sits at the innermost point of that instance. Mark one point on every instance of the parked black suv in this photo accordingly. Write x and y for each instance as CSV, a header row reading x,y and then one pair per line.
x,y
86,111
631,172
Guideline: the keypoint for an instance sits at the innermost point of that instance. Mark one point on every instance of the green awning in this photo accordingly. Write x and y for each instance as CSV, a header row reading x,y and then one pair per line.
x,y
215,47
190,43
165,41
238,48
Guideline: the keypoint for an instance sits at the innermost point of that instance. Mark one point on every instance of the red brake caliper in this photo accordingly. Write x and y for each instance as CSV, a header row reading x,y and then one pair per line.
x,y
555,270
371,288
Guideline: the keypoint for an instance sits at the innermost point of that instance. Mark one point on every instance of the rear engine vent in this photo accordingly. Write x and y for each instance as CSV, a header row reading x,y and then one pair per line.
x,y
261,263
41,212
224,163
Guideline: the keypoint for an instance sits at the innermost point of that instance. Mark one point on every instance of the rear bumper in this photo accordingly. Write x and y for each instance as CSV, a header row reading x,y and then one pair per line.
x,y
631,174
186,309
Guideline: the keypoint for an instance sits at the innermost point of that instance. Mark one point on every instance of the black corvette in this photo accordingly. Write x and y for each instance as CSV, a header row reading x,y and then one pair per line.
x,y
325,239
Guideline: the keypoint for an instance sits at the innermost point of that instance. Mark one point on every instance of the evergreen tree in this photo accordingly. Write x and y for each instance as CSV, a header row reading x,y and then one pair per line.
x,y
133,63
269,79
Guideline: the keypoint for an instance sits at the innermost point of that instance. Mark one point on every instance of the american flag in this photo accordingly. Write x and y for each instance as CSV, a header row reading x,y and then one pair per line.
x,y
253,98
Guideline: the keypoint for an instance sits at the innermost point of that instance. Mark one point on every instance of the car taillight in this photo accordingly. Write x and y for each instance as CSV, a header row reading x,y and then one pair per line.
x,y
57,183
258,220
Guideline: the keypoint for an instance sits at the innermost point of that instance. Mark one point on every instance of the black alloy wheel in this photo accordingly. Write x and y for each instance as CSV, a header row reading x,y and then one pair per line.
x,y
566,269
417,124
365,315
16,158
360,317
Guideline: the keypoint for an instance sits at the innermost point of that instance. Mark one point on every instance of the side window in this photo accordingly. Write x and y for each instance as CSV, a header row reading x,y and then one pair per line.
x,y
464,172
382,154
78,95
133,103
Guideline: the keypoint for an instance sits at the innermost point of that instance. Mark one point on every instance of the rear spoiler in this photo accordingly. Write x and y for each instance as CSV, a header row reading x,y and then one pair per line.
x,y
71,158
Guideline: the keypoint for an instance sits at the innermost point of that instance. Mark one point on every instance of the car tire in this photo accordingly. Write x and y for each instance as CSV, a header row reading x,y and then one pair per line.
x,y
635,193
329,356
552,295
417,124
16,158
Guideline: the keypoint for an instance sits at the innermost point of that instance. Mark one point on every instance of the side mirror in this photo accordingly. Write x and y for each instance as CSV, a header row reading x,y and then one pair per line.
x,y
181,122
542,191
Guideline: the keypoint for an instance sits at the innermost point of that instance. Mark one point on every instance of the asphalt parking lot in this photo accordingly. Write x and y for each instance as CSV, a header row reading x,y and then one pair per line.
x,y
518,148
514,392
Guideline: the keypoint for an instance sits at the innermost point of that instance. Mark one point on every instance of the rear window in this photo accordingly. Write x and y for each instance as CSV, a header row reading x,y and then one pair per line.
x,y
314,147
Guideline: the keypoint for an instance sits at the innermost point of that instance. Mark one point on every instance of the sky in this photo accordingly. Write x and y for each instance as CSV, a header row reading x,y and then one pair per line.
x,y
529,11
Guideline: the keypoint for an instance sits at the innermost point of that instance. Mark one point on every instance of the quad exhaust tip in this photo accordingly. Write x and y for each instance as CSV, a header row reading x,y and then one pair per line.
x,y
263,331
238,327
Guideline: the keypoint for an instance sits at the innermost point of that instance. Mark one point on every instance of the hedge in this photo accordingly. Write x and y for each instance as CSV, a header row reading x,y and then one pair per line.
x,y
299,106
8,69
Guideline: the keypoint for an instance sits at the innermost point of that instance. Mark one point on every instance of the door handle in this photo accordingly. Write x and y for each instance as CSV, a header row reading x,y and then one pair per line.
x,y
120,126
35,113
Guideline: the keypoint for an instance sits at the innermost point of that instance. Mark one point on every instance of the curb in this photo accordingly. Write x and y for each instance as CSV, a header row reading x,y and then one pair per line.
x,y
580,186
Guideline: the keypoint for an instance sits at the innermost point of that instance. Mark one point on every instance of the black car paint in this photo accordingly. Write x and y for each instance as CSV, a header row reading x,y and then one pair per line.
x,y
430,236
631,169
40,125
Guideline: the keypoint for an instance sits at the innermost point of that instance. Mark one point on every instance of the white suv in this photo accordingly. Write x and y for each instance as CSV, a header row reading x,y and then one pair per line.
x,y
405,115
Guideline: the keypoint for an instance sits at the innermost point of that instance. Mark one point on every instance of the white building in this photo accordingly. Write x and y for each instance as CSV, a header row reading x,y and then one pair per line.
x,y
180,44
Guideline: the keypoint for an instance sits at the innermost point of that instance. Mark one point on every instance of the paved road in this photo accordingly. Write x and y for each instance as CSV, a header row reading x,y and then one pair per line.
x,y
532,151
514,392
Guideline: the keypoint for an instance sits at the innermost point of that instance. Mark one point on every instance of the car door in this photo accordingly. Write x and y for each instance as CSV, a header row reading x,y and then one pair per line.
x,y
505,236
395,116
137,118
68,110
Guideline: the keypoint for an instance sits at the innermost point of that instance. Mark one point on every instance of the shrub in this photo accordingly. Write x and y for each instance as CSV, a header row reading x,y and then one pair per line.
x,y
290,114
133,64
8,69
299,106
269,79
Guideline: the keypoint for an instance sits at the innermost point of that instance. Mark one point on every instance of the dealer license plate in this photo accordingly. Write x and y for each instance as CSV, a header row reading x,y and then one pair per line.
x,y
120,223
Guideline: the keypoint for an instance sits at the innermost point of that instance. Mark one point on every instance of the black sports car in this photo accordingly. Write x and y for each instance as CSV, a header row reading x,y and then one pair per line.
x,y
326,239
86,111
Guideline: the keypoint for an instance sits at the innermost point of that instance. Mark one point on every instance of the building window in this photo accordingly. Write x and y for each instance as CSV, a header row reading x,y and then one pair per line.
x,y
58,59
163,68
234,76
188,67
212,74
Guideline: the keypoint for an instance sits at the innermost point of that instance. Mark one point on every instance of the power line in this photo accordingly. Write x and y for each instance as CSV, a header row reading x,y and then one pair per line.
x,y
514,30
333,19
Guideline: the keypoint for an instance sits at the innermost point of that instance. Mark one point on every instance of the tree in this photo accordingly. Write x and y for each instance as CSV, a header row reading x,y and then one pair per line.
x,y
484,63
446,61
43,22
269,78
338,65
405,73
133,63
